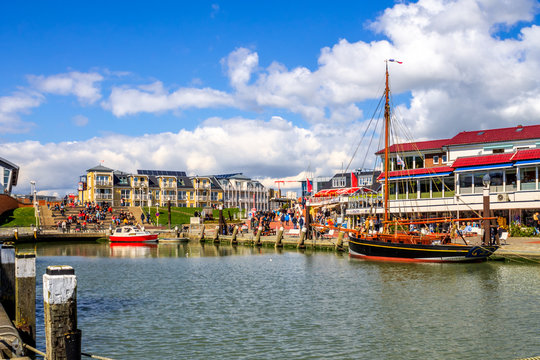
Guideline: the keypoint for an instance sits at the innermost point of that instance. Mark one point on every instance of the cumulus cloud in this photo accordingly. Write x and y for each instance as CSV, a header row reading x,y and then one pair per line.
x,y
269,150
154,98
12,106
83,85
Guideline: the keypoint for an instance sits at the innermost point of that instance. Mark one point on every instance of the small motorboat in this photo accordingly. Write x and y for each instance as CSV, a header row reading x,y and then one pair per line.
x,y
132,234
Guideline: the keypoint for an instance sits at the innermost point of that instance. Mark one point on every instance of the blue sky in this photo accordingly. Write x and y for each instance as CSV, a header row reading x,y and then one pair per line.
x,y
271,89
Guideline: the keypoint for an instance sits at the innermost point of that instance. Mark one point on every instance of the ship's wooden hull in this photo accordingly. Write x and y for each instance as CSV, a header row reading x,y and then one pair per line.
x,y
373,249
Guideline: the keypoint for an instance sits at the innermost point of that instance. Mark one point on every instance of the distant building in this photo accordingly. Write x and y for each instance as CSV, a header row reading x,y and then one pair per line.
x,y
9,174
242,192
158,187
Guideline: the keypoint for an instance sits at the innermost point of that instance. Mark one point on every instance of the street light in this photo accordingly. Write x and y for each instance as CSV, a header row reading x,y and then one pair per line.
x,y
34,201
486,180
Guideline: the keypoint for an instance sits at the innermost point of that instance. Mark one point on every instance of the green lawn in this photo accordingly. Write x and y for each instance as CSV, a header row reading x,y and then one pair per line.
x,y
19,217
181,215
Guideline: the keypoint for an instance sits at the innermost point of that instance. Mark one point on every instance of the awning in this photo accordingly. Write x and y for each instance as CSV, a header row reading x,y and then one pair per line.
x,y
485,162
342,191
417,173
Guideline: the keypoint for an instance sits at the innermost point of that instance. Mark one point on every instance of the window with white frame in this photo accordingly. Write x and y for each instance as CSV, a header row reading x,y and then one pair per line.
x,y
436,159
339,182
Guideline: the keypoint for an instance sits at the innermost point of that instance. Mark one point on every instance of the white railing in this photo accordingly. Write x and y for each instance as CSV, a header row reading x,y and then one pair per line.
x,y
103,196
103,183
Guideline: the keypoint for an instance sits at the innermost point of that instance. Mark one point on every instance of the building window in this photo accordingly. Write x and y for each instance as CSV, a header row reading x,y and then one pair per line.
x,y
465,183
444,159
528,178
436,159
498,151
339,182
449,186
511,180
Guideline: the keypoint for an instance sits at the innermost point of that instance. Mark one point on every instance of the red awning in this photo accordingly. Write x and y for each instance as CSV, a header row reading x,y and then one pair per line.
x,y
418,172
494,159
341,191
530,154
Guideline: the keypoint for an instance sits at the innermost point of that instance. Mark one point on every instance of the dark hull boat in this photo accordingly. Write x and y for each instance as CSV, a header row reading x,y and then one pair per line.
x,y
375,249
394,244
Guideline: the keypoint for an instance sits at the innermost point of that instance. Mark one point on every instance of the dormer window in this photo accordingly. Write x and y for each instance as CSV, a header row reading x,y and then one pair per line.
x,y
436,159
481,133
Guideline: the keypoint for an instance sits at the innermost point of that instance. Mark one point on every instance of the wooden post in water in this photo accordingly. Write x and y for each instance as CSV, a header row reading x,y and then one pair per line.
x,y
60,309
201,237
279,237
25,297
339,242
302,238
486,224
258,236
234,235
8,279
216,235
307,224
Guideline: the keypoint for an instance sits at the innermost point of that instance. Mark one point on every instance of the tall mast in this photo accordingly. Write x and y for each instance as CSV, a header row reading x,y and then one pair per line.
x,y
386,143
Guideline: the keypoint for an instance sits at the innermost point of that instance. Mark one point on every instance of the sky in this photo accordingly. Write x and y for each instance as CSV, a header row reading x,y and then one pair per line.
x,y
273,89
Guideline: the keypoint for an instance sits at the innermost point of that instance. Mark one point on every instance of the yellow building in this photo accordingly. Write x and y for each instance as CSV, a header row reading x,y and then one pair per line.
x,y
148,188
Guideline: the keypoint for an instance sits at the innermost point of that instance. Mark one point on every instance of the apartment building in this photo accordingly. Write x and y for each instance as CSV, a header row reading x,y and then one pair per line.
x,y
443,177
241,192
158,187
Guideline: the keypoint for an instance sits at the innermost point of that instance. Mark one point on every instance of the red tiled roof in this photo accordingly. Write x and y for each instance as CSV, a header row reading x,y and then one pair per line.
x,y
496,135
483,160
530,154
415,146
422,171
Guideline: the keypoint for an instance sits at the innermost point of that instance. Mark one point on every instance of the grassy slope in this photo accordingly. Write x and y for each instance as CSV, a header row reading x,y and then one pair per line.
x,y
18,217
181,215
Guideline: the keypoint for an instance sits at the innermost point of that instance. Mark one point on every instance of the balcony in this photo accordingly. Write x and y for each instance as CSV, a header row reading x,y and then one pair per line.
x,y
103,183
103,196
140,197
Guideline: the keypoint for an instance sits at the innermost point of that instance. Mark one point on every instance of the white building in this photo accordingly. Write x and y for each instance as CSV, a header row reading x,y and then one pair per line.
x,y
9,174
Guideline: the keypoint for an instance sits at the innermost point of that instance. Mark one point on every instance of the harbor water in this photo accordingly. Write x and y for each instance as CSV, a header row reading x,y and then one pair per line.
x,y
191,301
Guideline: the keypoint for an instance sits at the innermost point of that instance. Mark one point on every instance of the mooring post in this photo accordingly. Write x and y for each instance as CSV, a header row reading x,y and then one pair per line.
x,y
216,235
234,235
339,242
8,279
25,297
201,237
60,309
301,244
258,236
279,237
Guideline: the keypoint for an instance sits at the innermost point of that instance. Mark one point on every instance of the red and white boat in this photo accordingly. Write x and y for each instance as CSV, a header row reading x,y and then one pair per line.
x,y
132,234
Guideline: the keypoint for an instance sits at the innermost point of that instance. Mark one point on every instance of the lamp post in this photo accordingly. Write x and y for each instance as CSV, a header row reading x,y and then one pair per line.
x,y
486,180
34,201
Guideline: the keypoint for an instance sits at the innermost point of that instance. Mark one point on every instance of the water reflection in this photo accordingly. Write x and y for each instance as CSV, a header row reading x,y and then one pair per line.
x,y
146,250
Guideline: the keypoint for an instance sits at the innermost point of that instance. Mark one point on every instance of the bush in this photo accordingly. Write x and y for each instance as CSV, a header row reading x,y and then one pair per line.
x,y
518,230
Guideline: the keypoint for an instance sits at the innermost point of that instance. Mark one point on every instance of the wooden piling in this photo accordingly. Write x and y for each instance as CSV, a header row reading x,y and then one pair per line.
x,y
60,309
279,237
339,242
216,235
234,235
25,297
8,279
258,236
302,238
201,237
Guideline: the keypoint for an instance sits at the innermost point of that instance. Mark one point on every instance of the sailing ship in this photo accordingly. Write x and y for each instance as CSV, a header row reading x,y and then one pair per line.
x,y
396,240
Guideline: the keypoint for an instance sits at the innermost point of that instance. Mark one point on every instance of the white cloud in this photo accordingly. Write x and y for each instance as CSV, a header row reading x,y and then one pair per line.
x,y
12,106
271,149
80,120
83,85
154,98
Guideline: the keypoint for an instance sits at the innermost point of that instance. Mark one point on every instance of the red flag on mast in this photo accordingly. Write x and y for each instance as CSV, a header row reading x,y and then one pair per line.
x,y
354,180
309,186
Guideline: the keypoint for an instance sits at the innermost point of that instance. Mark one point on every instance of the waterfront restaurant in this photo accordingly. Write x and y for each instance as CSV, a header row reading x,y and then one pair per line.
x,y
444,177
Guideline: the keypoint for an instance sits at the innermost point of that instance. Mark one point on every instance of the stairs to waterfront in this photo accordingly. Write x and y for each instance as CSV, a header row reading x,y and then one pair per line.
x,y
51,218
